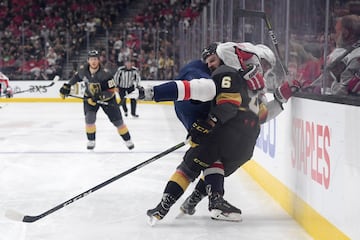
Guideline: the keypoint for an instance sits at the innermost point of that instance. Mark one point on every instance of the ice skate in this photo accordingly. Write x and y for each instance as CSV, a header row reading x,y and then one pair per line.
x,y
91,144
159,212
188,206
220,209
129,144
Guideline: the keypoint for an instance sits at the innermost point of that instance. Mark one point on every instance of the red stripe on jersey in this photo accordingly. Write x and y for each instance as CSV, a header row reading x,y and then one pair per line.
x,y
186,89
237,103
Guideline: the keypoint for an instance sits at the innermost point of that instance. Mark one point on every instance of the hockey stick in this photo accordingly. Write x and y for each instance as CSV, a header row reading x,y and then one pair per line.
x,y
250,13
97,101
29,219
56,78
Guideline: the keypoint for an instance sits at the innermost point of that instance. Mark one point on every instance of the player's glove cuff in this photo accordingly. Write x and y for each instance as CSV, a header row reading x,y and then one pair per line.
x,y
91,102
286,90
65,90
146,94
254,79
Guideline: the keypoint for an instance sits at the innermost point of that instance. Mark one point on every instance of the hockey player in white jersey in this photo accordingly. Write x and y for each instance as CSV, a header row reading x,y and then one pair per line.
x,y
5,89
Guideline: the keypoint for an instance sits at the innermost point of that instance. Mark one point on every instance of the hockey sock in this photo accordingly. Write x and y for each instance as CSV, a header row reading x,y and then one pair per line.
x,y
90,131
124,132
177,184
214,176
201,186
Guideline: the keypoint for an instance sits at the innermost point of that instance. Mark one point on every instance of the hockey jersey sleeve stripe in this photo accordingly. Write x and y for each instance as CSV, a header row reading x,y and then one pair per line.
x,y
197,89
180,85
233,98
202,89
186,90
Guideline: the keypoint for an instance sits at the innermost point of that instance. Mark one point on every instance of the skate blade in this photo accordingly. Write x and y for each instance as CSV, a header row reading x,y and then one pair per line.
x,y
152,221
180,214
231,217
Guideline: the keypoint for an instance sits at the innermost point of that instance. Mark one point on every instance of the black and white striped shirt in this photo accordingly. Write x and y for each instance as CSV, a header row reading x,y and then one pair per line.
x,y
126,78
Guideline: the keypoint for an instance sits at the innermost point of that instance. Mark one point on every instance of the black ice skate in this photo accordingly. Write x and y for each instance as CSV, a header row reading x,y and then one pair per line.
x,y
90,145
188,206
161,209
129,144
220,209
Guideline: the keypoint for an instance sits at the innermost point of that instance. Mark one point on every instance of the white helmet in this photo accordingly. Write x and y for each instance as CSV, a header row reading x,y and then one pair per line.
x,y
266,53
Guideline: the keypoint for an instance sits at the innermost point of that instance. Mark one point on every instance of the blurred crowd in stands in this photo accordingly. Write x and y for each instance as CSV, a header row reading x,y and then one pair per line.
x,y
38,37
149,38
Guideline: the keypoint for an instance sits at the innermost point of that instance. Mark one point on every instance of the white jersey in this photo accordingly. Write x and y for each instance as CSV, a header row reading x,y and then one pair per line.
x,y
4,82
253,54
226,51
352,66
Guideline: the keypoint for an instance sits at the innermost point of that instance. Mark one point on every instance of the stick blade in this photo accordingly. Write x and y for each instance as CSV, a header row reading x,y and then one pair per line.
x,y
56,78
152,221
133,94
14,215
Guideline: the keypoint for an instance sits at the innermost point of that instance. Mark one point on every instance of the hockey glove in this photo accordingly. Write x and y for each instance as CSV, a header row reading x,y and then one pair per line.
x,y
286,90
91,102
254,78
146,94
198,132
65,90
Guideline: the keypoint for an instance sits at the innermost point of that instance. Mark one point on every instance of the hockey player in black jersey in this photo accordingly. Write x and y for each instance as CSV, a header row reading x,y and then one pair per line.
x,y
99,86
225,141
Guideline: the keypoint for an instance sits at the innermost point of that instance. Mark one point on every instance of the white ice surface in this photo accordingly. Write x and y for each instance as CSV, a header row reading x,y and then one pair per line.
x,y
44,162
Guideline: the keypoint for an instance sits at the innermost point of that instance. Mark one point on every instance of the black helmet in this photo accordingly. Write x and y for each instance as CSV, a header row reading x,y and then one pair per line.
x,y
209,50
93,53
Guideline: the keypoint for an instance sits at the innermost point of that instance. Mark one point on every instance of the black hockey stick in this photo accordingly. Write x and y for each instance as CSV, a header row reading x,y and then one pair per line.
x,y
97,101
29,219
262,15
56,78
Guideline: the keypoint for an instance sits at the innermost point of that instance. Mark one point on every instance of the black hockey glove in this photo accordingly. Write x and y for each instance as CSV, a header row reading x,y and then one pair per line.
x,y
146,94
141,92
198,132
65,90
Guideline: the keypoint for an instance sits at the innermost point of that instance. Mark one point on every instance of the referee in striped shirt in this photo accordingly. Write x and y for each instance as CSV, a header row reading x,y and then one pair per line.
x,y
127,79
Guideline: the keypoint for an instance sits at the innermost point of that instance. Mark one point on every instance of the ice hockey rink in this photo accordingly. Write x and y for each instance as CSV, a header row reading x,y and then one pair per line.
x,y
44,162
